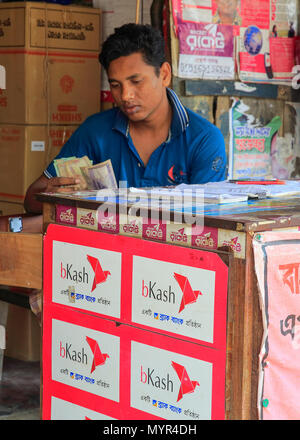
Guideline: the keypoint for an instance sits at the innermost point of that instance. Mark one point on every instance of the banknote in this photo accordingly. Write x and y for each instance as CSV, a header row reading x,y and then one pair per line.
x,y
71,167
59,162
102,175
92,177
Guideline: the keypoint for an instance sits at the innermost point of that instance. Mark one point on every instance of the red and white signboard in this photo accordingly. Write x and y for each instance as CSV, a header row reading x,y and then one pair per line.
x,y
93,368
132,329
175,290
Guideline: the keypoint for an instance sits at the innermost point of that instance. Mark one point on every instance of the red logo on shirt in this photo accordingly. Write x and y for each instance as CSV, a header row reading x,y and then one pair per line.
x,y
176,175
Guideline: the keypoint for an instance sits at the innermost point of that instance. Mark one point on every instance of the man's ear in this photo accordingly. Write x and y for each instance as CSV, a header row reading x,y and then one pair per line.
x,y
166,73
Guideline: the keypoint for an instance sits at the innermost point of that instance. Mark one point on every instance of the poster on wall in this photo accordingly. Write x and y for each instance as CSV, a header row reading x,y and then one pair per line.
x,y
251,143
253,40
206,51
285,154
277,261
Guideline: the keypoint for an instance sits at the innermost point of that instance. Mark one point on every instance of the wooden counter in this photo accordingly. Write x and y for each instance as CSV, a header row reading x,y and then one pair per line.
x,y
234,227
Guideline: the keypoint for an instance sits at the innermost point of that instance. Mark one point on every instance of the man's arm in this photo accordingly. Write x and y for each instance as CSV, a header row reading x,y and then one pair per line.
x,y
44,184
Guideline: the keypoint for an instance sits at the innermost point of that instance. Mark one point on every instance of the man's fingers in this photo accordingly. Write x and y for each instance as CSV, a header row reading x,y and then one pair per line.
x,y
63,184
61,181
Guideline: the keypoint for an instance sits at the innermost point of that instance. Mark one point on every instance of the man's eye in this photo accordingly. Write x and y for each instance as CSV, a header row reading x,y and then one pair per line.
x,y
114,85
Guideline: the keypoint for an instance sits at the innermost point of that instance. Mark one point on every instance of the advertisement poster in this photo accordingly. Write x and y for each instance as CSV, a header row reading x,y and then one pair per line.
x,y
277,261
250,144
285,152
253,40
186,383
206,51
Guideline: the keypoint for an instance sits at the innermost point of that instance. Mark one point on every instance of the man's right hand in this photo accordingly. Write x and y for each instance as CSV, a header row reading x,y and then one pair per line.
x,y
43,184
62,184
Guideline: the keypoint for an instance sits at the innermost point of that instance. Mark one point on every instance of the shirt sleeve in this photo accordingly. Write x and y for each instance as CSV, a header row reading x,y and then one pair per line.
x,y
209,161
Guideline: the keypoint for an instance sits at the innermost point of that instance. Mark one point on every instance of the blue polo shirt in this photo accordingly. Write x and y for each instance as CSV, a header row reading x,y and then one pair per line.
x,y
193,153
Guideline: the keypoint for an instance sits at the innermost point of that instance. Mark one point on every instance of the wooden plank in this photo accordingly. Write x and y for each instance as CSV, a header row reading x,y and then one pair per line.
x,y
202,105
238,88
223,104
48,214
229,88
235,339
21,260
252,338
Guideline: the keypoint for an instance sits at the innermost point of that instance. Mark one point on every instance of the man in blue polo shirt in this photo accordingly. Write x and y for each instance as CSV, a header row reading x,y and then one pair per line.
x,y
150,137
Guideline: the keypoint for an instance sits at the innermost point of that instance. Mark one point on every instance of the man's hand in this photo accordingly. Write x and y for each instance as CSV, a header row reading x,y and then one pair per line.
x,y
62,184
43,184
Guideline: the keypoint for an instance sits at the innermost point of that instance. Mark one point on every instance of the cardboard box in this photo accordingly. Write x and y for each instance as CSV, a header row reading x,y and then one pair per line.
x,y
23,340
25,151
50,53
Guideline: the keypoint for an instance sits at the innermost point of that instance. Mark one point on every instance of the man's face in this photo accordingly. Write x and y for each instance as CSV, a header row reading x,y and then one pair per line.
x,y
136,88
227,7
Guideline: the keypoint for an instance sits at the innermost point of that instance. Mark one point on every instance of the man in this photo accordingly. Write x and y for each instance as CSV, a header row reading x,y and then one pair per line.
x,y
150,138
227,12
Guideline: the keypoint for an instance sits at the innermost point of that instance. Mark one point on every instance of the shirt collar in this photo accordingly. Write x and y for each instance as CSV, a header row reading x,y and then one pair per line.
x,y
180,119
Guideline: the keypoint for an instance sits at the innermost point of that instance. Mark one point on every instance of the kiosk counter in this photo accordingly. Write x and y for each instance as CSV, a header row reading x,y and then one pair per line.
x,y
147,318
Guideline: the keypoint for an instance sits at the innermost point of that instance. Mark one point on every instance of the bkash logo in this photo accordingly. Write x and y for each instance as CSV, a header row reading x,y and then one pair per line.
x,y
67,351
100,274
153,378
155,292
187,386
99,358
68,272
189,295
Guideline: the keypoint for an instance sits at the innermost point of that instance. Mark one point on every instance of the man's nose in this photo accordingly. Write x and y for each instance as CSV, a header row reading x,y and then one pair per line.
x,y
127,92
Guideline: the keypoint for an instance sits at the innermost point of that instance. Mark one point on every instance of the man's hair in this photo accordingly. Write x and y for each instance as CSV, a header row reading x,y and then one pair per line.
x,y
131,38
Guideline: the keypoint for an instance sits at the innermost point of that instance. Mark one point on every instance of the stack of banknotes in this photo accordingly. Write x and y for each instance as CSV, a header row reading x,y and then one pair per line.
x,y
91,176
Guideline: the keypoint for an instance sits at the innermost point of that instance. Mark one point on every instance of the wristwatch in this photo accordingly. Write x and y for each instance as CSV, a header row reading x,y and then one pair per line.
x,y
15,224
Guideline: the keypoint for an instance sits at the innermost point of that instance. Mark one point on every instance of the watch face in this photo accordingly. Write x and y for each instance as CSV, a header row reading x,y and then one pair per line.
x,y
15,224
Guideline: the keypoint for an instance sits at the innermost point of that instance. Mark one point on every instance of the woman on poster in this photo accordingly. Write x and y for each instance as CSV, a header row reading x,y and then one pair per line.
x,y
227,12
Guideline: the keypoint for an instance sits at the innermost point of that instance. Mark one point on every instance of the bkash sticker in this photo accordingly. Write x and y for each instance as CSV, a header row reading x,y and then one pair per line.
x,y
85,278
173,297
170,385
86,359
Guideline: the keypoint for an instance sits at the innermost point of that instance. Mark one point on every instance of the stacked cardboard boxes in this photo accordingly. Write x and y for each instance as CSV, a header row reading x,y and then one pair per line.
x,y
50,55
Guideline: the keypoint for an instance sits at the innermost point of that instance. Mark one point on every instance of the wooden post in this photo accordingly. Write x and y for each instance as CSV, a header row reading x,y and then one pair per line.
x,y
137,11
